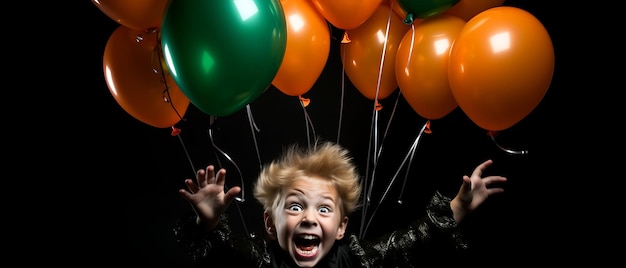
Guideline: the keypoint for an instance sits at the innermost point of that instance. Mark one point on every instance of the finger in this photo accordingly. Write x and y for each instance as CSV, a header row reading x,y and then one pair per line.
x,y
467,182
221,177
232,193
494,179
478,171
193,188
184,194
491,191
201,178
210,174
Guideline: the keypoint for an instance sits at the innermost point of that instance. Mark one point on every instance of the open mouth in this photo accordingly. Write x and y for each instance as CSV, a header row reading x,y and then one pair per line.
x,y
307,245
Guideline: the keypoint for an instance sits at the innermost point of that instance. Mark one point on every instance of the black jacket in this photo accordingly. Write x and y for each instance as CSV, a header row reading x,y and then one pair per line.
x,y
435,235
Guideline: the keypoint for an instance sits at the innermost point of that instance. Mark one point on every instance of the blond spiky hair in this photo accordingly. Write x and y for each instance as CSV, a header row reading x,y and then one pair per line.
x,y
326,160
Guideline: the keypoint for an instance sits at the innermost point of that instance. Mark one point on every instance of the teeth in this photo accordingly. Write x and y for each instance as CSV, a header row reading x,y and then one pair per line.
x,y
309,237
307,245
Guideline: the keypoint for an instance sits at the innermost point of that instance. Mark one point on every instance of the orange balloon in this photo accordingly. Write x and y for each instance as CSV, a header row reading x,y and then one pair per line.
x,y
134,14
467,9
362,56
129,69
501,66
422,65
308,45
346,14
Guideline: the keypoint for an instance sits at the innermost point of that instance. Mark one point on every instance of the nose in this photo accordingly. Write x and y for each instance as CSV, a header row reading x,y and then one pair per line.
x,y
309,218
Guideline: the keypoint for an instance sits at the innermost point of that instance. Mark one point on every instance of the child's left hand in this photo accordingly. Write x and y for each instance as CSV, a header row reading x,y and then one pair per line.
x,y
474,191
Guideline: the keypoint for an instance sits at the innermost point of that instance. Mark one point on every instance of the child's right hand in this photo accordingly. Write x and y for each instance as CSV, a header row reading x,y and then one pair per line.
x,y
207,197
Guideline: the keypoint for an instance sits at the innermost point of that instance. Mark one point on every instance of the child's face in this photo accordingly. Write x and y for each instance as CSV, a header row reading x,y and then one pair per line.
x,y
309,220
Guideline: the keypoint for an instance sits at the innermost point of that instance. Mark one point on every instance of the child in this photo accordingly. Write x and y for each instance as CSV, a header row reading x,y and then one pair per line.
x,y
307,195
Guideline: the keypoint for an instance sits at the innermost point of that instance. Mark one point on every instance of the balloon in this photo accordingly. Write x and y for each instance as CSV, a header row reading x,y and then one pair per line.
x,y
466,9
137,80
308,45
346,14
422,65
500,66
426,8
362,57
134,14
223,54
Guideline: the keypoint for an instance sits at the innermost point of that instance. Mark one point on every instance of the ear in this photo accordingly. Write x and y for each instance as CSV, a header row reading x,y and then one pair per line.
x,y
270,228
341,231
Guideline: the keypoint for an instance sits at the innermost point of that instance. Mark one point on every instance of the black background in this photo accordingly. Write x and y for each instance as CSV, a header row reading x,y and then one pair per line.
x,y
118,178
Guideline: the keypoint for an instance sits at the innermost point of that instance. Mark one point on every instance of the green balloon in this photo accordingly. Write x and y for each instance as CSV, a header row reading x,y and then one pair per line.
x,y
424,8
223,54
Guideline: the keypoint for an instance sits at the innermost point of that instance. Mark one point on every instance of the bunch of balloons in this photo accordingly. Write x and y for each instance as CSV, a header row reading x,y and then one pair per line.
x,y
494,62
220,55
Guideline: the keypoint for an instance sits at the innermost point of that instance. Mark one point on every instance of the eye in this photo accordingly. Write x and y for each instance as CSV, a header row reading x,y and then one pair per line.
x,y
294,207
324,209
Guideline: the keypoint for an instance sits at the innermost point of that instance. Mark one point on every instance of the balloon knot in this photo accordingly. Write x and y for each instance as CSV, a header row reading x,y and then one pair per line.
x,y
492,133
409,19
346,39
378,106
175,131
305,102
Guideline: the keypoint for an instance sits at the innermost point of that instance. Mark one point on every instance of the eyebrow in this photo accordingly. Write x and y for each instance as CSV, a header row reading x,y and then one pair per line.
x,y
298,192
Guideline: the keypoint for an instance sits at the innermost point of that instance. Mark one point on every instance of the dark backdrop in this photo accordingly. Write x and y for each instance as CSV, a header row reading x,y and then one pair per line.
x,y
124,175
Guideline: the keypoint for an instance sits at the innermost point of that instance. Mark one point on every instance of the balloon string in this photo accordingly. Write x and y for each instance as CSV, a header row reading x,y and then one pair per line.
x,y
176,132
382,58
307,119
368,189
374,140
425,129
380,148
380,73
364,182
492,134
409,156
217,149
383,53
254,129
393,112
166,92
238,199
373,127
343,83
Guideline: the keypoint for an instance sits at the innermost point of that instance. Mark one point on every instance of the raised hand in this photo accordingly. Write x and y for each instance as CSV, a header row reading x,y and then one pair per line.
x,y
207,197
474,191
